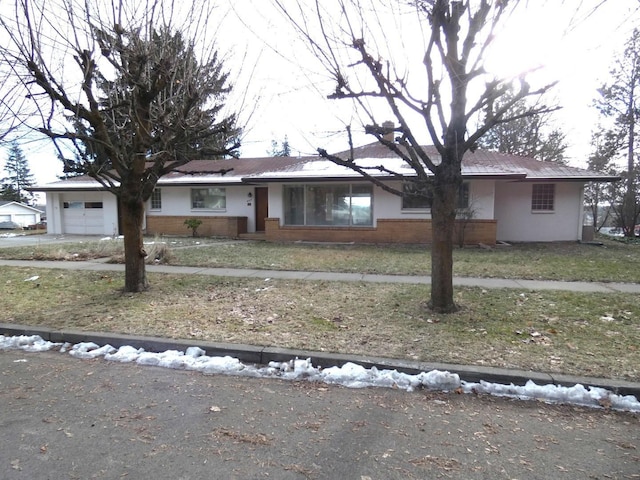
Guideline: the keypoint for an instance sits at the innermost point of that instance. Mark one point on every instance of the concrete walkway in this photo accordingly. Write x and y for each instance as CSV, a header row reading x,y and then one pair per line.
x,y
100,265
263,355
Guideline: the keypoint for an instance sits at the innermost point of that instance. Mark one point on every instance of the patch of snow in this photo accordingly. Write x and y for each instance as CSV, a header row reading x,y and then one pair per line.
x,y
28,343
90,350
349,375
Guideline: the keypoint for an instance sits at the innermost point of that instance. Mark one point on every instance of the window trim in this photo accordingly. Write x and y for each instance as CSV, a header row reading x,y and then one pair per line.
x,y
156,197
544,200
223,208
82,205
464,193
305,190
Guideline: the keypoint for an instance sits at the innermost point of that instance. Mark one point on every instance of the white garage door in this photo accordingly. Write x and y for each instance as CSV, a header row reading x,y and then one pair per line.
x,y
5,218
83,216
24,219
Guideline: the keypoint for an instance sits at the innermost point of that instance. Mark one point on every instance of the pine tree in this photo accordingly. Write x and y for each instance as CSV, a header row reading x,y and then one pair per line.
x,y
19,176
283,150
528,136
619,103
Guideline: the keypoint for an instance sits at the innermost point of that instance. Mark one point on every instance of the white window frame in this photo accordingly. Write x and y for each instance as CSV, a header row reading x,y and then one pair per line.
x,y
201,203
543,197
155,202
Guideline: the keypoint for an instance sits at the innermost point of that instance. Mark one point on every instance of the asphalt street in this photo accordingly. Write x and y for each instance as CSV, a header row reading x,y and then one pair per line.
x,y
64,418
67,418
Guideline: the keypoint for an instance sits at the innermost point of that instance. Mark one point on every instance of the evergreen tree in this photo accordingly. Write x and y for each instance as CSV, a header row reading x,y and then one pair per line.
x,y
19,176
284,150
619,103
529,136
599,196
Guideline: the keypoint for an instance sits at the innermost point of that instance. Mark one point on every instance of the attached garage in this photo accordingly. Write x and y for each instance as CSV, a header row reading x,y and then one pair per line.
x,y
83,214
86,211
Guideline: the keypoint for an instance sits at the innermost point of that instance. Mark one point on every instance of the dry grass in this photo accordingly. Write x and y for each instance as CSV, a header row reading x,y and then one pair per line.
x,y
612,262
585,334
570,261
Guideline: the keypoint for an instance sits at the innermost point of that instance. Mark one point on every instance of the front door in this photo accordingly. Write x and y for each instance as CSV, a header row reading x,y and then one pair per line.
x,y
262,207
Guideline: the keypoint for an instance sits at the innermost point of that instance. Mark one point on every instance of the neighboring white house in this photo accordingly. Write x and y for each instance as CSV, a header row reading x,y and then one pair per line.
x,y
19,213
511,198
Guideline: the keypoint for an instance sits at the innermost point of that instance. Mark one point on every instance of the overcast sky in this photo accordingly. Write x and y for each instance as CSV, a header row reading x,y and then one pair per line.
x,y
282,89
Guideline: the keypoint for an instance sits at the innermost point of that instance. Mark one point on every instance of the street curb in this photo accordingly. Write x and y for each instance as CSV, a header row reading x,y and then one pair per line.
x,y
263,355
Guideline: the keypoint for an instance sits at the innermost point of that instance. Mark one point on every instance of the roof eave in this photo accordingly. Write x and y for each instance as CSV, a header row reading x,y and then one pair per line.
x,y
582,179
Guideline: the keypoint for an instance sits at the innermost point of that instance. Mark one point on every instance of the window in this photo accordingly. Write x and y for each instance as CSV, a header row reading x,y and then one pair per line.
x,y
73,205
335,205
542,197
156,199
208,198
413,198
82,205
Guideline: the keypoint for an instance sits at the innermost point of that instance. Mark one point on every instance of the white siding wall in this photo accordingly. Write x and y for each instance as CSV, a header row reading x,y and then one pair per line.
x,y
54,209
276,204
517,223
482,198
176,201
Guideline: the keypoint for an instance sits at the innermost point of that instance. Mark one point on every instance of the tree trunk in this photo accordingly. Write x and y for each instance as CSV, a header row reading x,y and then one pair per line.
x,y
629,202
443,218
132,211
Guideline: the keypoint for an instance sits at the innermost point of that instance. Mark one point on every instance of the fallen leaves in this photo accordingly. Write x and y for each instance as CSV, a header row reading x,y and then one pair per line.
x,y
443,463
237,437
535,337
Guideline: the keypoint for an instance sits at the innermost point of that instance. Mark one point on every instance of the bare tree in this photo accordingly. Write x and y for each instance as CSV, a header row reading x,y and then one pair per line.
x,y
434,84
134,88
13,104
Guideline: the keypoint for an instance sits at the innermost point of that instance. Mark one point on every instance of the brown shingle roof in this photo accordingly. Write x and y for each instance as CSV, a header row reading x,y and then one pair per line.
x,y
477,164
486,162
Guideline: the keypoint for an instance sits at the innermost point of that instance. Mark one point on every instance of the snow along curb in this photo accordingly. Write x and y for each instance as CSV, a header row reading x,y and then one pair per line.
x,y
348,372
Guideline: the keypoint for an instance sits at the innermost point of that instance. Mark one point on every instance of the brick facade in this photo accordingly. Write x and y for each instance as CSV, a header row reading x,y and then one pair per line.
x,y
408,231
387,231
230,227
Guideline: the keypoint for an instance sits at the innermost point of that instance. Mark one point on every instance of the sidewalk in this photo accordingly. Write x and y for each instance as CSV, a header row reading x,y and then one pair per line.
x,y
264,355
64,417
101,266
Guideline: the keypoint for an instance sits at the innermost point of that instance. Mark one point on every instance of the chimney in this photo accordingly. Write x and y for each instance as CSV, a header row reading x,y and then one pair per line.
x,y
389,132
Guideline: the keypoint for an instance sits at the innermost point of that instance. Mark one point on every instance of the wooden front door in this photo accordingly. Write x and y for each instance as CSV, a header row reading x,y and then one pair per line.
x,y
262,207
